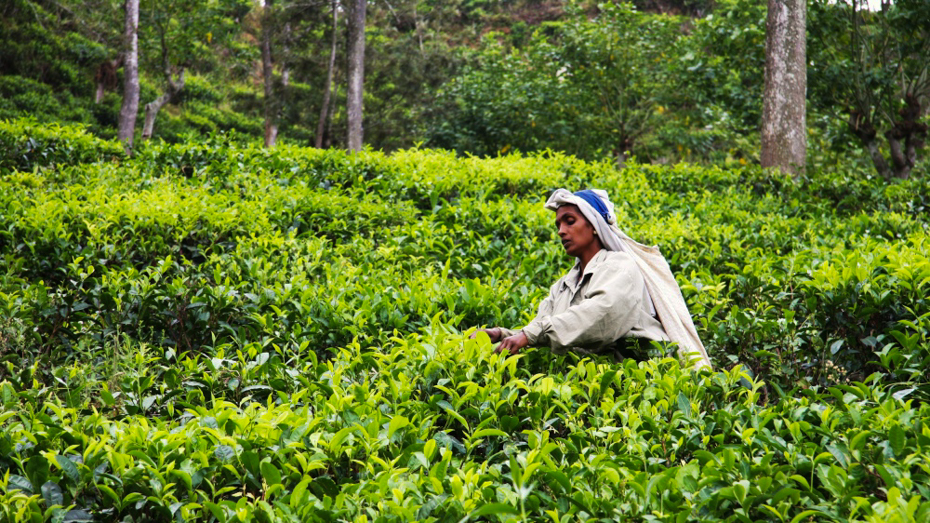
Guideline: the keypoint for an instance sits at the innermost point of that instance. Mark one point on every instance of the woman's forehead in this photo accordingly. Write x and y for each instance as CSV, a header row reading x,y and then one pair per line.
x,y
568,208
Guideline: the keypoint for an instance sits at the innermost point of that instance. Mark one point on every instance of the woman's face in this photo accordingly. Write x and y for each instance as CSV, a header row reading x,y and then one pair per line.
x,y
575,231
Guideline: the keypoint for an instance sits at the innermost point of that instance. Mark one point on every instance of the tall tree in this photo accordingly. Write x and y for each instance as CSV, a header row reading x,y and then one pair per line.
x,y
872,73
106,77
622,59
174,85
327,90
591,87
356,72
130,106
271,126
784,106
181,34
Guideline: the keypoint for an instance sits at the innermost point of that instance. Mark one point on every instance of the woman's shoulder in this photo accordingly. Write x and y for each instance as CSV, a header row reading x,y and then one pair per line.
x,y
612,260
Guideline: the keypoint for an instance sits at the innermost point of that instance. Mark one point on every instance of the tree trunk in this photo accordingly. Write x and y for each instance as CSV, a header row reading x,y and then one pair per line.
x,y
621,159
285,70
784,125
878,160
106,78
860,124
130,106
356,72
417,26
906,136
328,135
320,127
898,157
913,143
152,108
271,127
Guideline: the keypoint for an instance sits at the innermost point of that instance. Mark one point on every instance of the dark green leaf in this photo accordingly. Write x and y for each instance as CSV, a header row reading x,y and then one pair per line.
x,y
897,439
270,473
427,508
224,453
491,509
37,468
69,468
78,516
684,405
52,494
18,482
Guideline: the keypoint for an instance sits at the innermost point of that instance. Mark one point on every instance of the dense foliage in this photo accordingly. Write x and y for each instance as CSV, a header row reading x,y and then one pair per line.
x,y
212,331
875,77
662,80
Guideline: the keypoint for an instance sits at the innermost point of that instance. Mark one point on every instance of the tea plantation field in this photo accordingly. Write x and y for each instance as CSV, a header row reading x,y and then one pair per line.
x,y
217,332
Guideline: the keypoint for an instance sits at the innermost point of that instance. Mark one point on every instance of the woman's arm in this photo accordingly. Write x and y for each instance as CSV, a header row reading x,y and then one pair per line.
x,y
611,307
513,341
495,333
501,334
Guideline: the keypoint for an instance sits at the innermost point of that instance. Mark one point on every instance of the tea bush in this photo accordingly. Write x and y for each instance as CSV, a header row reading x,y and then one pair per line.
x,y
26,144
214,331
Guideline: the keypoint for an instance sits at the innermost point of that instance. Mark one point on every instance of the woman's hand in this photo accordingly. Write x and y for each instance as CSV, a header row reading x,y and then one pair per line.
x,y
494,333
513,344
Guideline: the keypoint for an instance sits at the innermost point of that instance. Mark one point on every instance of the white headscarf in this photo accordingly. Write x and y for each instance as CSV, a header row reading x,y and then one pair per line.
x,y
665,299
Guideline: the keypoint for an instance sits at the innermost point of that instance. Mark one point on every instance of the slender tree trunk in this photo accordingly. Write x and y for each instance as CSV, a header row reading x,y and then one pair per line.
x,y
356,73
130,107
417,26
621,159
898,157
906,136
271,127
100,78
152,108
285,70
903,154
329,121
106,78
784,125
320,127
913,143
860,124
878,159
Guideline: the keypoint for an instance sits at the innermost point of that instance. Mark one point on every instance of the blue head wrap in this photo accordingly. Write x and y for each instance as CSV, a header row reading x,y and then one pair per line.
x,y
589,196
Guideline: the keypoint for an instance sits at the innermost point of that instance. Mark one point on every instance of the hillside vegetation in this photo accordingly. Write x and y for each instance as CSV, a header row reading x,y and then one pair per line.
x,y
664,81
212,331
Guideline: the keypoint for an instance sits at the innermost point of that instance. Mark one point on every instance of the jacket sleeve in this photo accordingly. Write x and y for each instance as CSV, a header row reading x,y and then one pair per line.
x,y
610,309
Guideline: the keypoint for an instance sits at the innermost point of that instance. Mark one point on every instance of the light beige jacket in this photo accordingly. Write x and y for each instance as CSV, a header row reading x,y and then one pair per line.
x,y
590,313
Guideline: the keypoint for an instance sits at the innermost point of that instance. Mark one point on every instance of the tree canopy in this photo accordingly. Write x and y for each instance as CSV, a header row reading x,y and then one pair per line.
x,y
664,81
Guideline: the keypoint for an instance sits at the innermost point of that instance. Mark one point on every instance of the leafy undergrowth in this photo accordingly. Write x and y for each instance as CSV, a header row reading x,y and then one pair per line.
x,y
217,332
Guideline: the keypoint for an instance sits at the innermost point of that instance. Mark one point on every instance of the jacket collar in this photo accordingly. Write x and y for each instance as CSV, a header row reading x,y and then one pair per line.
x,y
572,281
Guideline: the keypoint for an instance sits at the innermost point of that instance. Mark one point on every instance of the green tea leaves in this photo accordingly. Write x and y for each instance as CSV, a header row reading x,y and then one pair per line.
x,y
68,468
285,336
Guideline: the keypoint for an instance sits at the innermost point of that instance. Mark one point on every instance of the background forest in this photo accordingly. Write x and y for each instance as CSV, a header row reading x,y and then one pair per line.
x,y
228,310
664,81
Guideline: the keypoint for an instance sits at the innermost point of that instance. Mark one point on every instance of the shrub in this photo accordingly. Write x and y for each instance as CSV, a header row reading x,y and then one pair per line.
x,y
213,330
26,144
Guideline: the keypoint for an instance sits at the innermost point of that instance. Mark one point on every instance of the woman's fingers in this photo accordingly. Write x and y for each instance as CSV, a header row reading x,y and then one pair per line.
x,y
504,345
494,333
513,344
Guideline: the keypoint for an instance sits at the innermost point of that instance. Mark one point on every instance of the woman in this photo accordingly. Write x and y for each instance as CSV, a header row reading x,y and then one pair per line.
x,y
618,291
